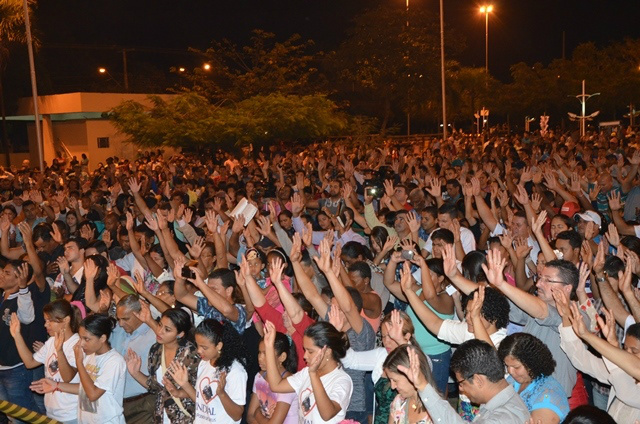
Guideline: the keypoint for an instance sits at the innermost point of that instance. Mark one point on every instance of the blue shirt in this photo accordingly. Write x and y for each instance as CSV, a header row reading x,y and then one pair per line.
x,y
544,393
208,311
140,341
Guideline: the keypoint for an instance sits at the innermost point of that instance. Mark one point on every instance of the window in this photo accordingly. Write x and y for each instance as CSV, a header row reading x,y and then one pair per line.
x,y
103,142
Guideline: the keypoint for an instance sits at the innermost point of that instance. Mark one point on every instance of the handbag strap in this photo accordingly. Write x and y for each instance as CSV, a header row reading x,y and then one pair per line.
x,y
163,365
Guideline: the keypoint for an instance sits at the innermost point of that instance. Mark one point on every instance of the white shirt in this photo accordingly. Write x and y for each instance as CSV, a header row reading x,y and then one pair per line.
x,y
107,372
457,332
59,405
209,408
338,386
366,360
467,240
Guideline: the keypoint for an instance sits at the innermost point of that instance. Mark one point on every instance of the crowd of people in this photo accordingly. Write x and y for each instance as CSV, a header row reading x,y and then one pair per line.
x,y
485,280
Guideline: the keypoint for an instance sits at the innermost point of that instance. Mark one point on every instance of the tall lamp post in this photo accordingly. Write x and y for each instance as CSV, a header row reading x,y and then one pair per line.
x,y
486,10
444,97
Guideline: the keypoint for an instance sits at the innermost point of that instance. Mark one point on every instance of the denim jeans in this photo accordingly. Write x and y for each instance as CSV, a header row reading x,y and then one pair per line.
x,y
14,387
361,417
440,370
38,373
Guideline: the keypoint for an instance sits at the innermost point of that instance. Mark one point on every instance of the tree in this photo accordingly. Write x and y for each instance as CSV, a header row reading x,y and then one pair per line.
x,y
263,67
190,120
386,66
12,31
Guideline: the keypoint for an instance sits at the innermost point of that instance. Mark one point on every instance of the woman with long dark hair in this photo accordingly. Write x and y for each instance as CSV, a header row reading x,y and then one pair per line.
x,y
173,346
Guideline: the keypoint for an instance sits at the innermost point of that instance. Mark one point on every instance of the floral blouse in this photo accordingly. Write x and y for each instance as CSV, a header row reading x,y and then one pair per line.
x,y
187,355
400,412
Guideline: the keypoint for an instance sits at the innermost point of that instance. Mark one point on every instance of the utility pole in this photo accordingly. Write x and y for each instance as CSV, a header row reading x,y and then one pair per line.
x,y
34,84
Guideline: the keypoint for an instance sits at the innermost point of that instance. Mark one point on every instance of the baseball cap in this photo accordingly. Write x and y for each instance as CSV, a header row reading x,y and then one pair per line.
x,y
570,209
590,216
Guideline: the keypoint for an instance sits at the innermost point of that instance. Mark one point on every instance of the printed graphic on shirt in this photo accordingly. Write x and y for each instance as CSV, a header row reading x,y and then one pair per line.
x,y
85,404
52,364
205,410
205,388
307,401
266,397
6,317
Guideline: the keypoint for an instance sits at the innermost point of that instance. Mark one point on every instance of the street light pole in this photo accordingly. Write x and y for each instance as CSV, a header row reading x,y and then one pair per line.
x,y
442,75
34,85
408,86
486,10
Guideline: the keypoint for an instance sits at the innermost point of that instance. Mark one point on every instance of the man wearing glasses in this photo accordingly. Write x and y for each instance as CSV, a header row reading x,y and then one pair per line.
x,y
480,375
538,313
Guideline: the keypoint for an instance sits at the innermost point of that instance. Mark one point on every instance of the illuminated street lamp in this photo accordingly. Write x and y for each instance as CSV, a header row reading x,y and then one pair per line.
x,y
206,66
486,10
104,71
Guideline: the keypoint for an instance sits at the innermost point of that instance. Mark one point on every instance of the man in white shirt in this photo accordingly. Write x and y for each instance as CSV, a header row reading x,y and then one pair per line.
x,y
448,219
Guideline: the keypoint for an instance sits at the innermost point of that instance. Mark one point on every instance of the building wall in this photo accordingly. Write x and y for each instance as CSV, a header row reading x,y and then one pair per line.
x,y
78,136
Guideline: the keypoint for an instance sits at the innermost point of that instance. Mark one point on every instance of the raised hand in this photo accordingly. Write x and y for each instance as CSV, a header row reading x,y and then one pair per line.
x,y
129,224
577,322
134,362
495,267
22,273
538,223
78,352
269,334
316,361
449,261
63,264
608,327
593,193
521,196
179,372
195,250
295,254
562,303
307,234
151,222
222,383
324,261
406,282
276,269
134,185
188,215
145,312
296,204
598,261
138,283
335,317
90,270
14,325
395,327
413,373
584,276
264,226
56,234
475,305
436,188
612,235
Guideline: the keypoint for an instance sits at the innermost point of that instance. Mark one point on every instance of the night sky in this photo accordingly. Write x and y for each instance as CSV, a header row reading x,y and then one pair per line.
x,y
519,30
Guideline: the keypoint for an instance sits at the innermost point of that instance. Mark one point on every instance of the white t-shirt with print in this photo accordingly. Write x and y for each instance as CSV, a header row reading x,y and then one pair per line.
x,y
209,408
338,386
107,372
60,406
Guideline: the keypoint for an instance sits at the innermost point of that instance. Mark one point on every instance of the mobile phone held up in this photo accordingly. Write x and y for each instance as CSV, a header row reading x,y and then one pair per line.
x,y
375,192
407,255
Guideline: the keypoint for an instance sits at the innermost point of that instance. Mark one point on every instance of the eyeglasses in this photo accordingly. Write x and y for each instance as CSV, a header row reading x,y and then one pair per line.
x,y
544,279
459,382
